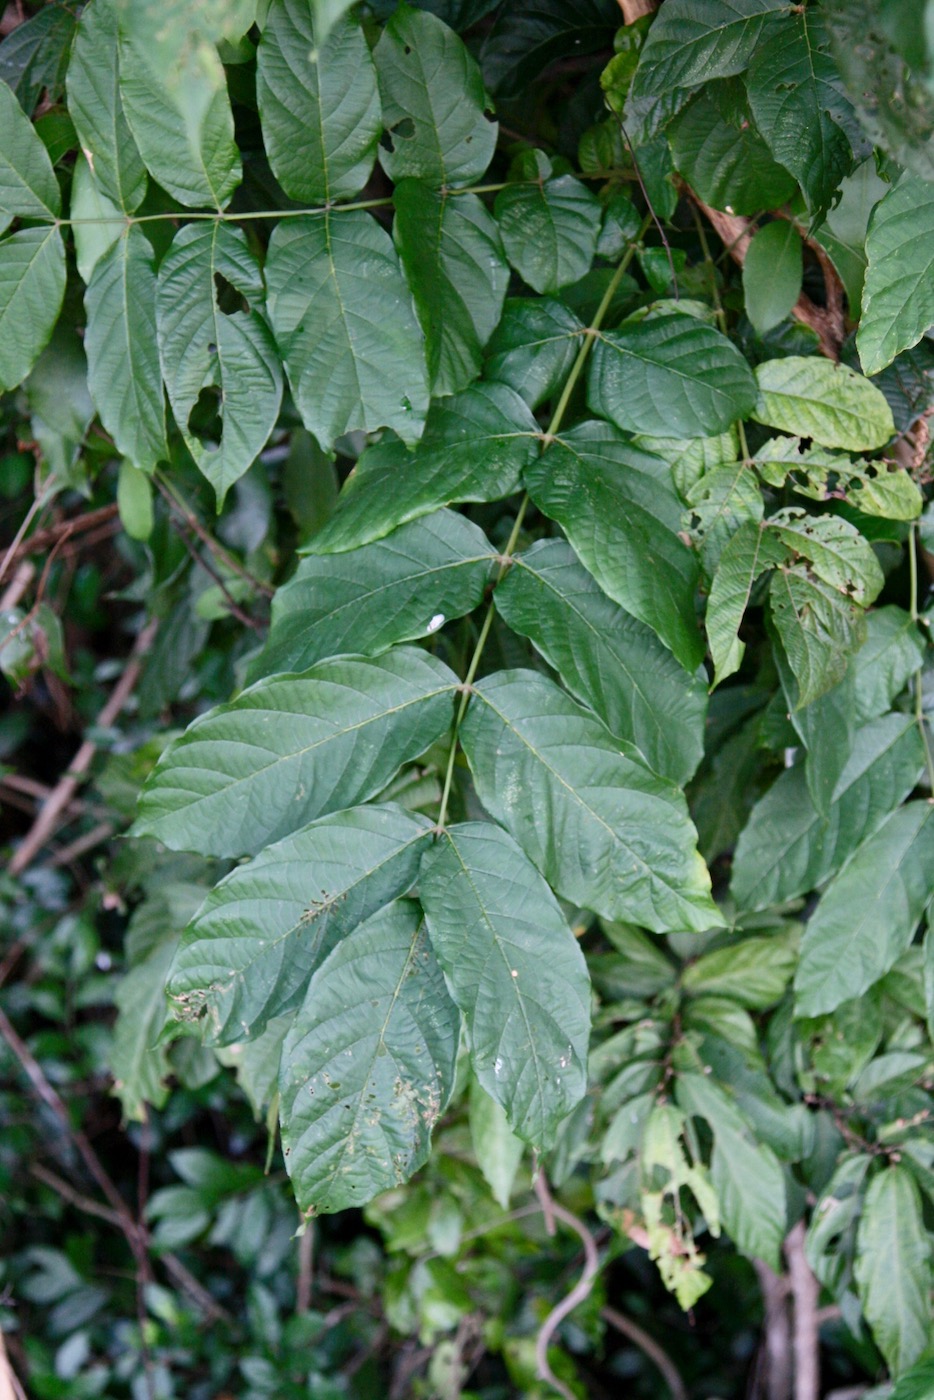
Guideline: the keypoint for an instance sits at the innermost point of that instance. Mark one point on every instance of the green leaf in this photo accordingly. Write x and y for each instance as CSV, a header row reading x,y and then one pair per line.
x,y
835,549
453,259
721,501
898,298
772,274
32,284
96,108
753,972
893,1267
433,103
181,119
812,397
825,728
534,347
604,831
752,550
404,586
318,104
726,162
256,1063
549,230
892,652
819,628
294,748
917,1383
515,969
474,448
134,499
36,54
368,1065
670,375
787,849
138,1063
98,223
747,1176
28,187
524,40
793,87
497,1149
343,318
874,488
694,41
248,954
869,913
606,658
123,352
208,348
620,513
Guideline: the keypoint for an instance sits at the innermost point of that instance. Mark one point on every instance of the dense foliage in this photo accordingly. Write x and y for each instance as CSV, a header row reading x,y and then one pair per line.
x,y
480,454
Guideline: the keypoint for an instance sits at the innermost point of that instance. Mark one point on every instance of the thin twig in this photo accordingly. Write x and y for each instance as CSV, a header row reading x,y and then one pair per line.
x,y
17,586
306,1257
42,540
82,844
578,1293
67,786
10,1388
177,502
651,1348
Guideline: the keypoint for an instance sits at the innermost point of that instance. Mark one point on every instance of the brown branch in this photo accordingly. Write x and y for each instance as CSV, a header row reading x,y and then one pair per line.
x,y
48,818
773,1372
577,1295
635,9
827,322
10,1388
17,586
306,1256
805,1292
44,539
651,1348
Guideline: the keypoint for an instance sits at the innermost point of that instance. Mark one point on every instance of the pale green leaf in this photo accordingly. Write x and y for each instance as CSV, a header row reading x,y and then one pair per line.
x,y
368,1065
97,222
256,1063
670,375
515,969
248,954
875,488
433,103
474,448
898,298
28,187
893,650
820,629
32,284
869,912
751,551
343,319
726,162
207,347
787,848
497,1149
549,230
617,507
534,347
753,972
453,259
123,353
893,1267
181,119
813,397
294,748
721,501
608,659
318,104
404,586
96,108
134,501
690,458
139,1064
825,728
604,830
772,273
836,550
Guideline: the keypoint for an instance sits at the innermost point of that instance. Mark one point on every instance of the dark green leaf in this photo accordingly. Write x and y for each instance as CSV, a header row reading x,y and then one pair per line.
x,y
32,284
453,259
433,103
343,318
893,1267
607,658
294,748
534,347
549,230
96,108
207,348
620,513
398,588
603,830
250,951
812,397
892,651
869,912
35,56
670,375
787,849
825,728
898,300
726,162
772,274
474,448
28,187
526,39
318,104
123,353
368,1065
515,969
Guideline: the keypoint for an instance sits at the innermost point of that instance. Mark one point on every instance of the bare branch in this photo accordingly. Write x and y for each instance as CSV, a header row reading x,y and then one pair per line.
x,y
578,1293
651,1348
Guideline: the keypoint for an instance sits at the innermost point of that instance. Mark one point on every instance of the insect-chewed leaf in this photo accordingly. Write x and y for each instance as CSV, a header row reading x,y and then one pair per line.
x,y
248,954
602,828
294,748
606,658
474,448
514,968
368,1065
396,589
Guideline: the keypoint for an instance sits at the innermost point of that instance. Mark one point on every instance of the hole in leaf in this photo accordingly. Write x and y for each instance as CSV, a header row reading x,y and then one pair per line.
x,y
403,130
229,300
204,420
